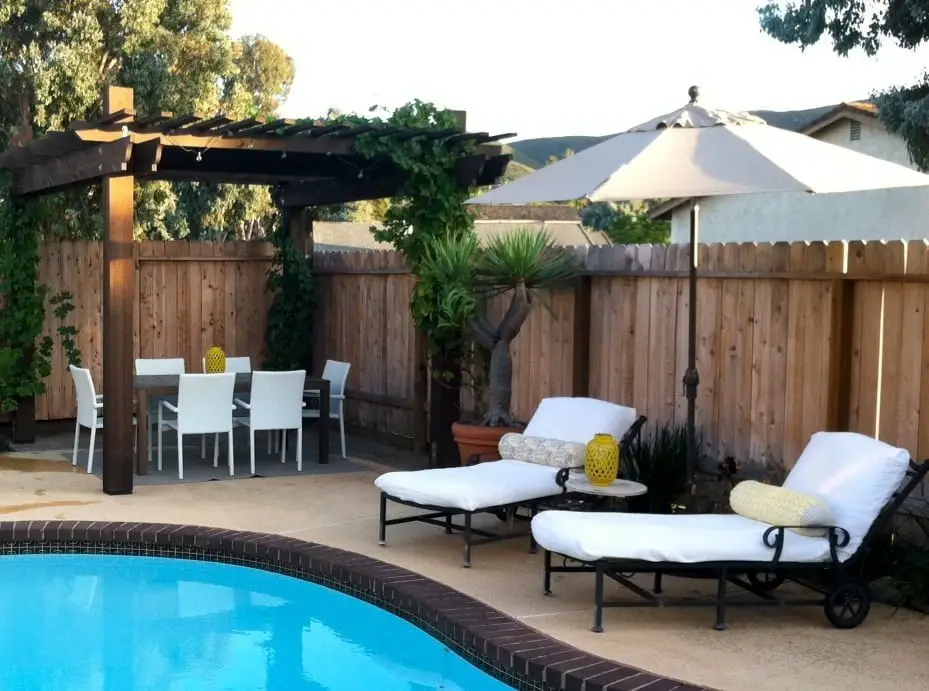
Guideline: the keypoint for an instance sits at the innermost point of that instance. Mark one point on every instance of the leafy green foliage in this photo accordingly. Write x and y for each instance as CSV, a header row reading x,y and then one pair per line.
x,y
289,332
849,24
855,24
25,355
626,224
55,56
429,205
658,459
446,290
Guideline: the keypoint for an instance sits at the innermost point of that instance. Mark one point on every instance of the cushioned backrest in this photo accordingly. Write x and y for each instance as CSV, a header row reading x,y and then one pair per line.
x,y
855,474
579,419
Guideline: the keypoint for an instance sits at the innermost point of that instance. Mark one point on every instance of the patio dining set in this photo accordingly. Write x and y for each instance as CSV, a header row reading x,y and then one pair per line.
x,y
169,399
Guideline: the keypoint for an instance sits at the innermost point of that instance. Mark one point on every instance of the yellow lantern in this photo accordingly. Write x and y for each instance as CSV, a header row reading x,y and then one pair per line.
x,y
602,463
215,360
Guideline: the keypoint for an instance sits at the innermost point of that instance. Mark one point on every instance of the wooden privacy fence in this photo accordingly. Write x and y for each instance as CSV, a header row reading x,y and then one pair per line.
x,y
189,296
791,339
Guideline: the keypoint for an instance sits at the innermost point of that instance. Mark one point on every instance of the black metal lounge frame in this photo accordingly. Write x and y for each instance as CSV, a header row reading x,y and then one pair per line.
x,y
442,516
846,602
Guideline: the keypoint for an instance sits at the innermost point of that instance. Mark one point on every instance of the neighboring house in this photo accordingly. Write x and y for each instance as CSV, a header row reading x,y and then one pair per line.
x,y
561,222
793,216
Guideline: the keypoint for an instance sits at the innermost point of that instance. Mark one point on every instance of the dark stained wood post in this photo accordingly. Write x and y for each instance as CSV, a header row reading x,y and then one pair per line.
x,y
118,302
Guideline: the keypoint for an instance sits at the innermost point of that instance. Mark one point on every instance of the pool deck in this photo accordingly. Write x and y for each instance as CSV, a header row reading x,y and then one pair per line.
x,y
763,649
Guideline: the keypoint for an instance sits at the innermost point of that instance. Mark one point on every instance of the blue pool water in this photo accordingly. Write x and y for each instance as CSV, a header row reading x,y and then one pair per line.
x,y
110,623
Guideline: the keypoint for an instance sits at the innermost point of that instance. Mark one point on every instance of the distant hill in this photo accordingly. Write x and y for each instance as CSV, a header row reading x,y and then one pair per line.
x,y
534,153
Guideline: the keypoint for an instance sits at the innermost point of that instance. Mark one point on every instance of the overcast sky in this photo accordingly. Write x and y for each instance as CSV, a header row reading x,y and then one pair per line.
x,y
547,68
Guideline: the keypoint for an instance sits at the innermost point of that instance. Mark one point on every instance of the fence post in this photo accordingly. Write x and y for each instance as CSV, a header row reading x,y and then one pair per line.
x,y
420,392
840,356
580,366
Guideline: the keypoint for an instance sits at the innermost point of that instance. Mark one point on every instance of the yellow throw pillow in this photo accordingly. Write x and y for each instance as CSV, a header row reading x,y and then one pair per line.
x,y
781,506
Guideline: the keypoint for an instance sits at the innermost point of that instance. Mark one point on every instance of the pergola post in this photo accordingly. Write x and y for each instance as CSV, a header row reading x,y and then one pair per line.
x,y
118,311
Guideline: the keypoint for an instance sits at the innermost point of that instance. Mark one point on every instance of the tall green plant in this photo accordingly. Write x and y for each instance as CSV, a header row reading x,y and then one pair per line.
x,y
464,276
25,355
288,337
429,205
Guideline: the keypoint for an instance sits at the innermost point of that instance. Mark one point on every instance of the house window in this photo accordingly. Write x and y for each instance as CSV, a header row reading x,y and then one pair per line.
x,y
854,130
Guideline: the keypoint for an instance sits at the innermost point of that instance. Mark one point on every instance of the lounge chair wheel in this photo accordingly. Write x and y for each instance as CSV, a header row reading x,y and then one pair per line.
x,y
766,581
847,604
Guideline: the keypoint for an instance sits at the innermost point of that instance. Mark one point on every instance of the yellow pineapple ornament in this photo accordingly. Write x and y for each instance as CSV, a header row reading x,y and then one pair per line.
x,y
215,360
602,463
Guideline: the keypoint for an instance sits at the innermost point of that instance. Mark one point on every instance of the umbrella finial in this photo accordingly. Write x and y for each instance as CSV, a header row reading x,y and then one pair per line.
x,y
694,93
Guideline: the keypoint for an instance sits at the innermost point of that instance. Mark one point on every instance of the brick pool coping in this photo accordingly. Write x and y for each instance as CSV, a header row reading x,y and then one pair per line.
x,y
506,648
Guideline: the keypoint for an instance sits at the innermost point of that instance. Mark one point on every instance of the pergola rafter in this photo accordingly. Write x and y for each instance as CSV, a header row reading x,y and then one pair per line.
x,y
312,164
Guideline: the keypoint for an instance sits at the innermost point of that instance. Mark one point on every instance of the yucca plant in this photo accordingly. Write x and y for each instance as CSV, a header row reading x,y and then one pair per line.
x,y
465,275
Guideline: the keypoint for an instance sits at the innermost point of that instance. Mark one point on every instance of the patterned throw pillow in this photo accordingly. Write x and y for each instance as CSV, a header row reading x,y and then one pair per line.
x,y
551,452
781,506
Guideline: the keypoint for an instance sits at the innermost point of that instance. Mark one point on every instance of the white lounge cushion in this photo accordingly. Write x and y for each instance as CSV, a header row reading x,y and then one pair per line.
x,y
578,419
853,473
682,539
472,488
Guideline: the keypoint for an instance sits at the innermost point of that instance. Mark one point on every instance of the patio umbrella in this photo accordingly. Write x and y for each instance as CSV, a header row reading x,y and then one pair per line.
x,y
698,152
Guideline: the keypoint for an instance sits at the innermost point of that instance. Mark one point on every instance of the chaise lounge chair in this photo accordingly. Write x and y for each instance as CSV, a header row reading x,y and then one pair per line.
x,y
555,438
846,486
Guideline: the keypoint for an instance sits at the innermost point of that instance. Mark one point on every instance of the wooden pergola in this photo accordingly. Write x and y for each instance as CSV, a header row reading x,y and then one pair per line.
x,y
312,164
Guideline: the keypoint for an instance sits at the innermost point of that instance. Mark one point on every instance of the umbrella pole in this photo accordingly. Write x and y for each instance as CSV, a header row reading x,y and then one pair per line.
x,y
691,378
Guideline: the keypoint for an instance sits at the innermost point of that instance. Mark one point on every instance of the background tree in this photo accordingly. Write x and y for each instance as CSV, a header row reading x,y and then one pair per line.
x,y
856,24
55,56
627,223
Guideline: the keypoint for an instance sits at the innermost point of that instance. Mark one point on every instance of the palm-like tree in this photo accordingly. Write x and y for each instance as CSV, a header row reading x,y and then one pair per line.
x,y
461,275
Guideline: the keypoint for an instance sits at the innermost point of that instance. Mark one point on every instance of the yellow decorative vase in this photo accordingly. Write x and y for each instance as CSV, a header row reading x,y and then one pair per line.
x,y
602,463
215,360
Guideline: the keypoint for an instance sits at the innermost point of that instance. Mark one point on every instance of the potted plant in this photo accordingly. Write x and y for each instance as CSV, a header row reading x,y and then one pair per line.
x,y
519,265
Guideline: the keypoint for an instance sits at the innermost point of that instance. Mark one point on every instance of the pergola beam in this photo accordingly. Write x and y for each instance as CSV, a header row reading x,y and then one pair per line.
x,y
86,165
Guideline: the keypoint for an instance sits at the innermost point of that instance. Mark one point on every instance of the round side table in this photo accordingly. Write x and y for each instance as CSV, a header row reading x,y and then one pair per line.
x,y
619,489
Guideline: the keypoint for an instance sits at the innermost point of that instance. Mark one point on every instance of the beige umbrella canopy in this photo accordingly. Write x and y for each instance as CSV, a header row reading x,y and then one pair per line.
x,y
698,152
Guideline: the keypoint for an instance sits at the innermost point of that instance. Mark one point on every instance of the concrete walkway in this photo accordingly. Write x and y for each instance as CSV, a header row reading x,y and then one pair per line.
x,y
764,649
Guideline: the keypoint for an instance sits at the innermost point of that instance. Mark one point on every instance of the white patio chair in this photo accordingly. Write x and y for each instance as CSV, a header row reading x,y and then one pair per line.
x,y
204,406
337,375
89,412
276,403
233,364
152,367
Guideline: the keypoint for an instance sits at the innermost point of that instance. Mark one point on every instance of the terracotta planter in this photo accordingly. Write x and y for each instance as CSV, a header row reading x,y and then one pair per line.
x,y
477,439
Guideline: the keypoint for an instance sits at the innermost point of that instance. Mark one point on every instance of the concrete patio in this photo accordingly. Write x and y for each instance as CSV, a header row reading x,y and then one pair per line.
x,y
764,649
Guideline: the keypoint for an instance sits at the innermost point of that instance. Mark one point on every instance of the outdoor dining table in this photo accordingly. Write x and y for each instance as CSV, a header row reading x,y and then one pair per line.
x,y
167,384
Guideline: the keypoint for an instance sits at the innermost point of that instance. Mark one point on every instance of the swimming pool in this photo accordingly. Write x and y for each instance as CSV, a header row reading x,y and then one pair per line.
x,y
82,622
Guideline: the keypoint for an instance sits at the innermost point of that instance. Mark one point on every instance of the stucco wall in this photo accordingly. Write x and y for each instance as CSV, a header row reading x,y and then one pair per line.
x,y
873,215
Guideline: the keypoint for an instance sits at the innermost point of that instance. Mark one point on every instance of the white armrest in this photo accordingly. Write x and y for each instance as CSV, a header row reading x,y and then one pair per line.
x,y
98,405
242,404
169,406
303,404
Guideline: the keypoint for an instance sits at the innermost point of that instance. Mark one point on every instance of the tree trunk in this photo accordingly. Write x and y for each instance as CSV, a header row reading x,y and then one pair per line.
x,y
499,386
500,377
